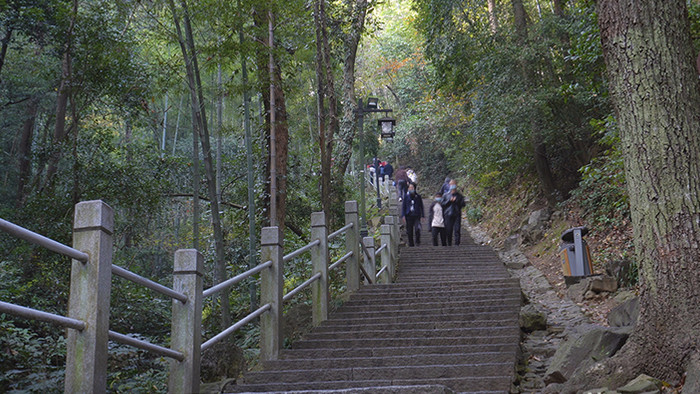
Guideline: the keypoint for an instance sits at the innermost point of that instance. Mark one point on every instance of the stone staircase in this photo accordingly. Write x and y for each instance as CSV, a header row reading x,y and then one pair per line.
x,y
449,324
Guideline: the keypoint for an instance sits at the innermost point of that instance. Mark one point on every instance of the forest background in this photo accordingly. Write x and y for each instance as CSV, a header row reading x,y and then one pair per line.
x,y
144,104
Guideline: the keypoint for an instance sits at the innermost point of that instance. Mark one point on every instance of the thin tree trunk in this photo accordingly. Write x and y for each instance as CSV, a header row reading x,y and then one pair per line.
x,y
196,92
261,18
327,120
493,18
348,122
540,159
25,149
4,44
64,87
177,125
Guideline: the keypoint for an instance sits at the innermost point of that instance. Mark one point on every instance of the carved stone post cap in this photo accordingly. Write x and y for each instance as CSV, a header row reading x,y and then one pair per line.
x,y
270,236
189,260
318,219
92,215
350,206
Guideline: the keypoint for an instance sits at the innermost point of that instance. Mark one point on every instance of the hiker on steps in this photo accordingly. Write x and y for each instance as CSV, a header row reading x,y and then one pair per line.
x,y
412,212
436,220
452,204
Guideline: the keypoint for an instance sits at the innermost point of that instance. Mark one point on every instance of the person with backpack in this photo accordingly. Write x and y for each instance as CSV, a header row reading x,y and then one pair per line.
x,y
452,204
436,220
412,212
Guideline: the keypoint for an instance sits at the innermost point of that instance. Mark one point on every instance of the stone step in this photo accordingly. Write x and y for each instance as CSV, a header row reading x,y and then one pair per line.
x,y
482,384
340,333
390,361
406,341
418,389
446,313
366,352
379,373
434,304
459,316
347,325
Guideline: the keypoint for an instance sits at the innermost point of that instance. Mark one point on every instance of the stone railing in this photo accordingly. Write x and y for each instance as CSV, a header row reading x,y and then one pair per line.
x,y
91,281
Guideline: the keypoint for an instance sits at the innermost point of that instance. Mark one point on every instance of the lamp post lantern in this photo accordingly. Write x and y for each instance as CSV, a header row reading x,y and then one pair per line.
x,y
388,125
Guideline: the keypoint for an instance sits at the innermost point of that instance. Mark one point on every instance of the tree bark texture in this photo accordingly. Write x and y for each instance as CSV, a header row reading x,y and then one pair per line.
x,y
493,18
348,122
656,96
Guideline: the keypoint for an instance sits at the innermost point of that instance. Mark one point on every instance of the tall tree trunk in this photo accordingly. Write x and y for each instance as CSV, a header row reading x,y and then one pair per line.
x,y
656,96
25,149
327,119
348,122
260,18
64,88
493,17
542,166
197,96
4,44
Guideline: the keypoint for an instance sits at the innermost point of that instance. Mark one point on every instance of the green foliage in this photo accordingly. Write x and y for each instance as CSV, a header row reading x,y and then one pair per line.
x,y
602,192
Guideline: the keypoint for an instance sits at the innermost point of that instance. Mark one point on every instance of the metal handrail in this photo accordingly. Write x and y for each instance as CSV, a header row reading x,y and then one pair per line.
x,y
230,282
48,243
241,323
381,271
155,286
340,261
29,313
301,287
137,343
376,252
301,250
340,231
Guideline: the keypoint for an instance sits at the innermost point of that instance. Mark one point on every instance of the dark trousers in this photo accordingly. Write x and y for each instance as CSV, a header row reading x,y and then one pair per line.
x,y
401,188
441,232
412,223
453,226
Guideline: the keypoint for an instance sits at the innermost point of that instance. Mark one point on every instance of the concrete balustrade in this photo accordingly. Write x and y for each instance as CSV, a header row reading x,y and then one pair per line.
x,y
186,333
86,350
89,300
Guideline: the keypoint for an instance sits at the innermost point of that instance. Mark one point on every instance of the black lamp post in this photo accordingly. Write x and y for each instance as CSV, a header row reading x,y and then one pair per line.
x,y
371,107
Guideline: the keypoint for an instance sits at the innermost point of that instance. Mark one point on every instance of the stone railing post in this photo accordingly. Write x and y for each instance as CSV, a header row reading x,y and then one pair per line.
x,y
319,260
271,287
370,263
388,274
352,244
86,350
389,221
394,210
186,332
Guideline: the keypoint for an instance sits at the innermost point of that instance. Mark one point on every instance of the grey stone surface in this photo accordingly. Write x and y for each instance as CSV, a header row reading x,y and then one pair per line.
x,y
641,384
532,319
692,377
625,314
594,344
603,283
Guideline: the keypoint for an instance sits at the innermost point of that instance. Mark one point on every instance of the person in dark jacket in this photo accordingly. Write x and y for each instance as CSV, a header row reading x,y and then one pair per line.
x,y
436,220
388,170
412,212
452,204
445,188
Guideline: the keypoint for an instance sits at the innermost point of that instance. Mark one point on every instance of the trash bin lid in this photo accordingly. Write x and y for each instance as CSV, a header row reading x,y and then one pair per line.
x,y
568,235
